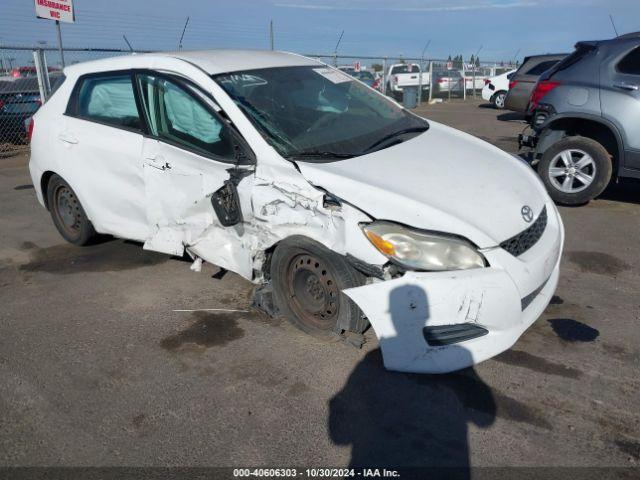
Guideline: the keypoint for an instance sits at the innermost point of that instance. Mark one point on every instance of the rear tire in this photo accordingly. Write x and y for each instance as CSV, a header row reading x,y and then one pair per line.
x,y
498,100
308,280
575,170
67,213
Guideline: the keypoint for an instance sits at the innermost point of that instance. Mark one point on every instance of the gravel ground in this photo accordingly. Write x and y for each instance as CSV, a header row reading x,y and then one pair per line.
x,y
97,368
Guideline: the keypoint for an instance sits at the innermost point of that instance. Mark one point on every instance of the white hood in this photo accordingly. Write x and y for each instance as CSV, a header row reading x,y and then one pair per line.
x,y
442,180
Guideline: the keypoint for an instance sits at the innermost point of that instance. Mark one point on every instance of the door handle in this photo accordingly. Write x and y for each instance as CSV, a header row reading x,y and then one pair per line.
x,y
67,138
626,86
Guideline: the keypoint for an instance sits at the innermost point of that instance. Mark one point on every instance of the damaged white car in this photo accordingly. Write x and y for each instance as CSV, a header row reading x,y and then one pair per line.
x,y
343,208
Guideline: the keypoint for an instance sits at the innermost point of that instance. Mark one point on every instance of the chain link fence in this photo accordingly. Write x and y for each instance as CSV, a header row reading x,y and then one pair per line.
x,y
28,74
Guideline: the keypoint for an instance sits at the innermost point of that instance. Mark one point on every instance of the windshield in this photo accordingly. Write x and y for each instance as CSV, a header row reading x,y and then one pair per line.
x,y
316,110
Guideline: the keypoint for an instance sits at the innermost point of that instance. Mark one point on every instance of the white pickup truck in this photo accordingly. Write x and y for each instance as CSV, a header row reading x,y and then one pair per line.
x,y
401,75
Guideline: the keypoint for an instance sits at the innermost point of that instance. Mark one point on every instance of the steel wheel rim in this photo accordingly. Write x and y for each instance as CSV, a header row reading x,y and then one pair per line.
x,y
67,209
312,292
500,100
572,171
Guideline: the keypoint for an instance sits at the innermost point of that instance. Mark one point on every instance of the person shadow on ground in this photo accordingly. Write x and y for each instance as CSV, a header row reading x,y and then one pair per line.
x,y
394,419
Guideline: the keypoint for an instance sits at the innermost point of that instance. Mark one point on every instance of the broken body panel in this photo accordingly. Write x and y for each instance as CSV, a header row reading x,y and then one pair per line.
x,y
161,195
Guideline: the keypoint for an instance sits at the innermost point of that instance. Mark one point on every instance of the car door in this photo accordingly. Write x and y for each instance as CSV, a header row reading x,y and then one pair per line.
x,y
101,138
620,102
189,157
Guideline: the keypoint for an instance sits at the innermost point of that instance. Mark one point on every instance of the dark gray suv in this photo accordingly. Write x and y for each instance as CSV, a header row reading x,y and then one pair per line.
x,y
585,115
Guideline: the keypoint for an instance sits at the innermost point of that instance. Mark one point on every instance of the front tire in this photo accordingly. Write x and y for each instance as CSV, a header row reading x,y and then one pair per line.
x,y
575,170
308,280
67,213
498,100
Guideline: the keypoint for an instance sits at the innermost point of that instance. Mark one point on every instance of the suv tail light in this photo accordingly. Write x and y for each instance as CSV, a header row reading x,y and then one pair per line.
x,y
542,88
487,81
512,83
32,124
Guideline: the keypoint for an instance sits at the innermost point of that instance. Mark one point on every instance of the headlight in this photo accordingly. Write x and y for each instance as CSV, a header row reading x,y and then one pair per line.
x,y
420,250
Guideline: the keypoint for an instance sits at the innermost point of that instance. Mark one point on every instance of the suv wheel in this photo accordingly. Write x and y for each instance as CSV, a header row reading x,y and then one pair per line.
x,y
575,170
308,280
498,100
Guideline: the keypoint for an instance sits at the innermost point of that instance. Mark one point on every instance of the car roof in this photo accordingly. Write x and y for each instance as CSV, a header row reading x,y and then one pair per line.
x,y
211,61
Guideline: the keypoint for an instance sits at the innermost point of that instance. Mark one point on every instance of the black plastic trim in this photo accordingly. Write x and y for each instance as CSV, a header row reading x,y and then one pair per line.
x,y
440,335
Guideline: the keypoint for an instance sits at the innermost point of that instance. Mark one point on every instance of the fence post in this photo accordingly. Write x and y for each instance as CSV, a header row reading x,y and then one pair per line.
x,y
38,61
384,75
420,74
464,81
430,80
474,81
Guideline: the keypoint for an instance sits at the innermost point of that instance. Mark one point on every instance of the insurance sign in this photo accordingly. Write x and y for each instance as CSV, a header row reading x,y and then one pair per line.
x,y
61,10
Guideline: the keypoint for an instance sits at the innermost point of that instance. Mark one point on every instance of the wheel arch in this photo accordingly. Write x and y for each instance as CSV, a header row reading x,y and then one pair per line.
x,y
593,127
44,185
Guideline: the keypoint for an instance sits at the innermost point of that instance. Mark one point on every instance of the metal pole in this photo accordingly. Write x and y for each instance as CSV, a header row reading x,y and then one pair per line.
x,y
271,33
474,81
37,61
420,81
45,73
60,43
464,81
430,80
384,75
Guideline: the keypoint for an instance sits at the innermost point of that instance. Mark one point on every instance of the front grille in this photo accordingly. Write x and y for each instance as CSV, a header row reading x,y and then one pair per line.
x,y
526,239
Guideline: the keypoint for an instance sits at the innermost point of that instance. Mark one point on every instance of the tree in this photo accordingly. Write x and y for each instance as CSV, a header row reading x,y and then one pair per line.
x,y
376,67
477,62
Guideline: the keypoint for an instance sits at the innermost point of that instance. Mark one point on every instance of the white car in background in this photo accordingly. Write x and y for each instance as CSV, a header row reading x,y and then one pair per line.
x,y
496,88
342,207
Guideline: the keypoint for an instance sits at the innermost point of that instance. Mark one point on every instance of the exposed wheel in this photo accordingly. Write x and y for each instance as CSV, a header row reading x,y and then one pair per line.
x,y
67,212
308,280
498,100
575,170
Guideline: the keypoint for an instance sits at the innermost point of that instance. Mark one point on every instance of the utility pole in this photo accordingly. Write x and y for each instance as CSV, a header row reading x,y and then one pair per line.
x,y
335,51
182,36
60,43
271,33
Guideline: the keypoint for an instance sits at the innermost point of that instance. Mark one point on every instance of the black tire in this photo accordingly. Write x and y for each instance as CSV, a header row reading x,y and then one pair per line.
x,y
601,170
67,213
308,280
498,99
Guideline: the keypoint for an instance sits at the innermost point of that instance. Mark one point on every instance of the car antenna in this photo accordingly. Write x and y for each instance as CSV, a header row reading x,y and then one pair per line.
x,y
182,36
127,42
613,25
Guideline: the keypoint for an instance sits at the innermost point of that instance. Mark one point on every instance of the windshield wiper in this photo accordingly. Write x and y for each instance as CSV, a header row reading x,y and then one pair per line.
x,y
394,135
319,154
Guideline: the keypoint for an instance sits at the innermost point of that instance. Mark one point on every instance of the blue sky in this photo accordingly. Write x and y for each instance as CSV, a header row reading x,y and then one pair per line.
x,y
372,27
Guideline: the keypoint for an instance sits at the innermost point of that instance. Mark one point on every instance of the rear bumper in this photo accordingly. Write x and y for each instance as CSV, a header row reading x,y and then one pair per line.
x,y
491,299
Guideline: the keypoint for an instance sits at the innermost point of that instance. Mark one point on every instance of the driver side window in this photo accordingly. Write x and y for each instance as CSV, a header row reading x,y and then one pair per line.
x,y
177,116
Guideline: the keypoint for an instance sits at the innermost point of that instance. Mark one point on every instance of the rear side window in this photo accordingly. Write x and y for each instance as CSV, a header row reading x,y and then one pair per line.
x,y
541,67
109,100
631,63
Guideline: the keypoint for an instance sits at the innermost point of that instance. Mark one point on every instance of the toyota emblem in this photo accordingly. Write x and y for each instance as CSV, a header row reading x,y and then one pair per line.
x,y
527,213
